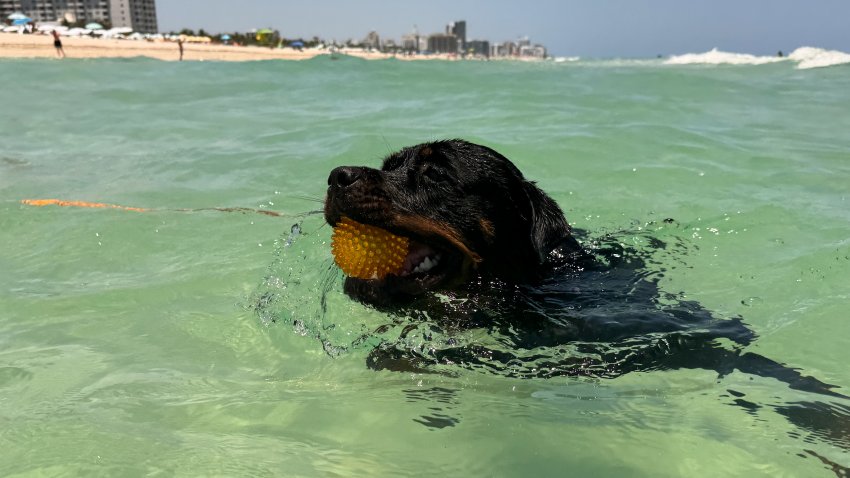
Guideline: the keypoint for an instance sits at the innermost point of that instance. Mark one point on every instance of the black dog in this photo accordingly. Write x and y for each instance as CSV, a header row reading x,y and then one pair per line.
x,y
552,307
468,210
477,225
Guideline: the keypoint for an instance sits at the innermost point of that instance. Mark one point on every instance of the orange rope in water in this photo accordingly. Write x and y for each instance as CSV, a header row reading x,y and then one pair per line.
x,y
59,202
100,205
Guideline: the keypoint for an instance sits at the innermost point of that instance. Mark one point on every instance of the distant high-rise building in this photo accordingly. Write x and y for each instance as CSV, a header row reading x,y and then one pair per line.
x,y
140,15
410,42
372,40
504,49
458,29
440,43
521,48
58,10
535,51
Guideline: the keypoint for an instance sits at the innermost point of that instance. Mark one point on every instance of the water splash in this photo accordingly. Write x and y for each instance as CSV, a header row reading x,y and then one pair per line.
x,y
601,321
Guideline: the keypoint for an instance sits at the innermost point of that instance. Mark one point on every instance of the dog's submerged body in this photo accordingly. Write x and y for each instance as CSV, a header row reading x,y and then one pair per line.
x,y
478,227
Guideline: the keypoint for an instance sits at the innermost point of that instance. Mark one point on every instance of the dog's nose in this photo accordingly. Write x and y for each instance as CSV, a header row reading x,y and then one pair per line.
x,y
344,176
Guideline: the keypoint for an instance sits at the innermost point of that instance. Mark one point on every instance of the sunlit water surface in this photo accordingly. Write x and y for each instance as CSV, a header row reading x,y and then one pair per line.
x,y
199,342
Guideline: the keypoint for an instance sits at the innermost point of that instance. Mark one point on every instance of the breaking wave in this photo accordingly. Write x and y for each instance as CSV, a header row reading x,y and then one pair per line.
x,y
805,57
717,57
808,57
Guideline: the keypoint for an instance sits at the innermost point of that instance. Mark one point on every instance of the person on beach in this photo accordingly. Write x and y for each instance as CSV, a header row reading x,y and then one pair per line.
x,y
180,46
57,43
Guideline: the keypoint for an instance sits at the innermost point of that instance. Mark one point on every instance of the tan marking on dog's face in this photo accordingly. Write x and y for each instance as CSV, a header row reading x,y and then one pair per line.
x,y
428,228
426,151
487,228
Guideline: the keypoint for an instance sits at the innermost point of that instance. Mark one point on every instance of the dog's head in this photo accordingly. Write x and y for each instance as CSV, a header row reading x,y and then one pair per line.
x,y
466,208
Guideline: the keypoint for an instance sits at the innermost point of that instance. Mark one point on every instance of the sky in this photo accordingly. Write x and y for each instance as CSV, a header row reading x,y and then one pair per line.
x,y
586,28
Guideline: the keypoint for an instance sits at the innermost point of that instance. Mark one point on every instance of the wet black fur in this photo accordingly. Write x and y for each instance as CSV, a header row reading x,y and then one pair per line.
x,y
537,287
459,184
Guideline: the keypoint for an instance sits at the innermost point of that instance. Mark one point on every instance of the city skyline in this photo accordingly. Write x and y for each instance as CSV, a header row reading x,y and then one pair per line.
x,y
627,28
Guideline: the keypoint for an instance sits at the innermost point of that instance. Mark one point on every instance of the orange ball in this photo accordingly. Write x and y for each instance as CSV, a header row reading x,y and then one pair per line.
x,y
367,252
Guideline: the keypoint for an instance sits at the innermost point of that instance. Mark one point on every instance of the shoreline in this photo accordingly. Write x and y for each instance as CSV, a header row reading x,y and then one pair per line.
x,y
14,45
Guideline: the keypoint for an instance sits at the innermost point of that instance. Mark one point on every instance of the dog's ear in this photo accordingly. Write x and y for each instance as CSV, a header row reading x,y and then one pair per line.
x,y
549,227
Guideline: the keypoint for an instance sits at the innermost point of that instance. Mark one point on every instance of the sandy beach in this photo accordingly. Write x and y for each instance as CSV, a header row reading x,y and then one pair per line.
x,y
13,45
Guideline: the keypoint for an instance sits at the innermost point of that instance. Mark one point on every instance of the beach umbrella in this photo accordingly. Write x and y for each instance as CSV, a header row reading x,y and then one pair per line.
x,y
16,16
21,21
225,37
122,30
94,26
297,44
261,34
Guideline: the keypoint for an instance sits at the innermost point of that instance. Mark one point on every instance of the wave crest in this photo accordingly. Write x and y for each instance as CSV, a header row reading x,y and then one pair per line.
x,y
805,57
809,57
717,57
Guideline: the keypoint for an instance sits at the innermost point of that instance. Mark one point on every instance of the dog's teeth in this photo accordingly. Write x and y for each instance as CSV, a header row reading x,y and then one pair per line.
x,y
427,264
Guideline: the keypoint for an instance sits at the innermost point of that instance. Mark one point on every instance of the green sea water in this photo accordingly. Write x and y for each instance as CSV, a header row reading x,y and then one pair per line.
x,y
131,344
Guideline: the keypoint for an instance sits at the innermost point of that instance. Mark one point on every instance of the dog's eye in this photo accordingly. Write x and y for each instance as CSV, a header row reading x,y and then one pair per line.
x,y
435,174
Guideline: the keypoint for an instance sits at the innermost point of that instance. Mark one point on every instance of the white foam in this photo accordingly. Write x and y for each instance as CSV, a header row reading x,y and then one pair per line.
x,y
565,59
808,57
620,63
805,57
717,57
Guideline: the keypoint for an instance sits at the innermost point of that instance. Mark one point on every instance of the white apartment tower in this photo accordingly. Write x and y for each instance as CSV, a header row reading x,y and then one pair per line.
x,y
140,15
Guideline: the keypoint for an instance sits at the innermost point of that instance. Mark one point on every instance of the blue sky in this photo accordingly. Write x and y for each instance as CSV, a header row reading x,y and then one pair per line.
x,y
590,28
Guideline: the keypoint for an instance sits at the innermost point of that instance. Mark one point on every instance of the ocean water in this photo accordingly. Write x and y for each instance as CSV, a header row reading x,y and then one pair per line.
x,y
184,340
